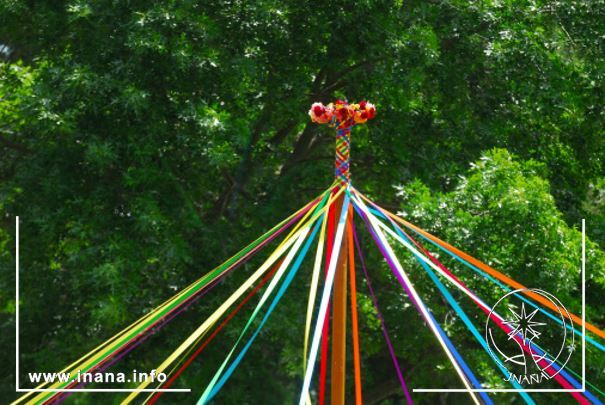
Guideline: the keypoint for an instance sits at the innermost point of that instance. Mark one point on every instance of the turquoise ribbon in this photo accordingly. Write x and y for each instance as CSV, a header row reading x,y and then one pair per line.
x,y
503,286
285,284
467,371
461,314
538,350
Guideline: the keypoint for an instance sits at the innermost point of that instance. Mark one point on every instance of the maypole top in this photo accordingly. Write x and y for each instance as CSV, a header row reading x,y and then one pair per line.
x,y
342,116
341,112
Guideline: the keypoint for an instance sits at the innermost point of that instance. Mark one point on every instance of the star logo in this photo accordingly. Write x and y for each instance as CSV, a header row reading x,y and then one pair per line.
x,y
522,323
512,336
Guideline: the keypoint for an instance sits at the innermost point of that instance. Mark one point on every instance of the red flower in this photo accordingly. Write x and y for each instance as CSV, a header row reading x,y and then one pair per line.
x,y
318,109
371,110
341,112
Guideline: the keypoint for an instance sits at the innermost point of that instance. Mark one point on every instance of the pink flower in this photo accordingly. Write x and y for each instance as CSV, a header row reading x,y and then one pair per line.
x,y
320,114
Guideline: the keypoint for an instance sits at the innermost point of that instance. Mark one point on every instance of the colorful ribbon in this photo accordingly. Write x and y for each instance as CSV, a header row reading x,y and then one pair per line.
x,y
561,377
387,252
404,387
324,300
315,218
202,329
215,385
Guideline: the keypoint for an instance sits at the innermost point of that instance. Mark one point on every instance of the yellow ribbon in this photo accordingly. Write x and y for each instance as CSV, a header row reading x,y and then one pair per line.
x,y
91,357
313,292
203,328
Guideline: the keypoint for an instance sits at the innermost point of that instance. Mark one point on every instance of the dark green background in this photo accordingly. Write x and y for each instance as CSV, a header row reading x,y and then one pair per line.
x,y
142,143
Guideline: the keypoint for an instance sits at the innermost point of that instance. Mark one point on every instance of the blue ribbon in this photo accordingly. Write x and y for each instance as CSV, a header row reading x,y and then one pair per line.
x,y
502,285
450,299
467,371
537,349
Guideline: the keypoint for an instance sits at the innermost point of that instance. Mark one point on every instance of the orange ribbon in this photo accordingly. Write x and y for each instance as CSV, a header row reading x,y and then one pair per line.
x,y
493,272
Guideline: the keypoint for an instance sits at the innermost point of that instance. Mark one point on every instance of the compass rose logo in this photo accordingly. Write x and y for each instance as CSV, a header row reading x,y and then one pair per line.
x,y
532,345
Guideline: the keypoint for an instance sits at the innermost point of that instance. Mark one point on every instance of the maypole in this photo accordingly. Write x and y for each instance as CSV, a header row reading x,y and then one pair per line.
x,y
330,217
343,116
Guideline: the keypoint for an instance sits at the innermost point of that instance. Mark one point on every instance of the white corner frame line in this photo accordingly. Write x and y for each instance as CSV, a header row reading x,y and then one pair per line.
x,y
583,389
17,388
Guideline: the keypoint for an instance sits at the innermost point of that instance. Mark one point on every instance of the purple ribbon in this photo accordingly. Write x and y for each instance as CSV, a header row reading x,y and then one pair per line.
x,y
380,317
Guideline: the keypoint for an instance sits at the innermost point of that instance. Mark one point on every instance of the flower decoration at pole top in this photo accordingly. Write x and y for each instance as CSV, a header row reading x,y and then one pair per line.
x,y
342,116
341,111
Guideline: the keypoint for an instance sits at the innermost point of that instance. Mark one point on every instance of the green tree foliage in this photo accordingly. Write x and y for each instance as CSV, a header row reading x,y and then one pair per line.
x,y
504,212
142,143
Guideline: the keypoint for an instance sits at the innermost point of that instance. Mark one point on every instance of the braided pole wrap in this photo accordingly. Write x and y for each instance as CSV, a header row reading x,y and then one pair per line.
x,y
342,116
